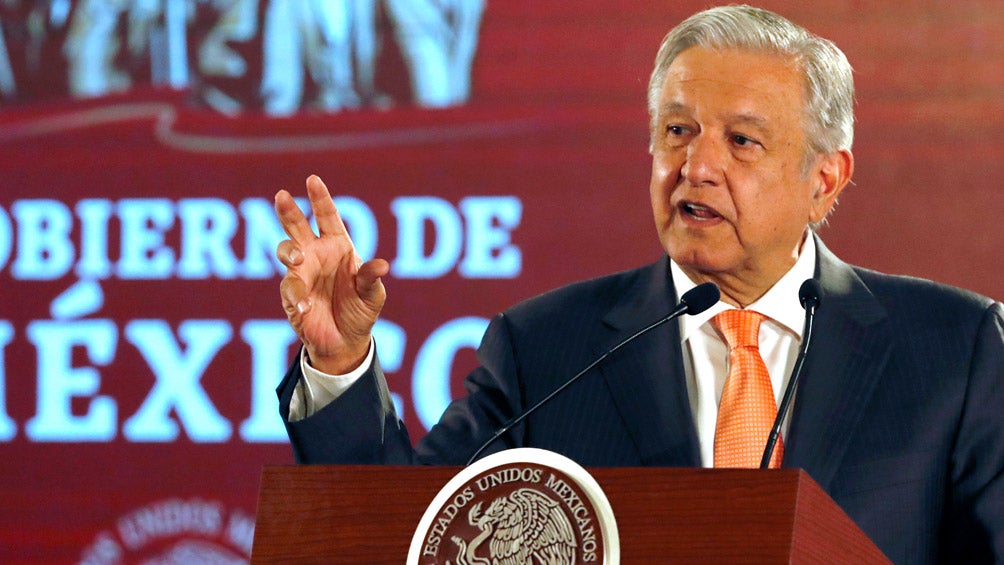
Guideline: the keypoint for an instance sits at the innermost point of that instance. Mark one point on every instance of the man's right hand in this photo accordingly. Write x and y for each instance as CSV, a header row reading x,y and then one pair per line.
x,y
331,298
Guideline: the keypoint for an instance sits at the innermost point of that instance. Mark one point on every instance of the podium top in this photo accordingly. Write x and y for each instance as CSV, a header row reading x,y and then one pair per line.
x,y
368,514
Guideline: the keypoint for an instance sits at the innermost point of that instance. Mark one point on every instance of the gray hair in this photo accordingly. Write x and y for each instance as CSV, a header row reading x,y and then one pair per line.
x,y
829,82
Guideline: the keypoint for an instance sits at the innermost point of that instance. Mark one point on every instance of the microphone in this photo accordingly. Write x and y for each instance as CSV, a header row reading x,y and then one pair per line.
x,y
694,301
809,296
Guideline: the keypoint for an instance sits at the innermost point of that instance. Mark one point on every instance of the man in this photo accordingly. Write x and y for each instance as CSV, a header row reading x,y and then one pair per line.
x,y
898,416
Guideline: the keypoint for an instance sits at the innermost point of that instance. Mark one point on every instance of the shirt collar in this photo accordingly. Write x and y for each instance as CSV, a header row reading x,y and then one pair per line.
x,y
780,303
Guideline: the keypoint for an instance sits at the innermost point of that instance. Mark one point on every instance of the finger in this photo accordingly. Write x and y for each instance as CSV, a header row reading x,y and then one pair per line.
x,y
294,223
325,212
295,298
369,287
289,253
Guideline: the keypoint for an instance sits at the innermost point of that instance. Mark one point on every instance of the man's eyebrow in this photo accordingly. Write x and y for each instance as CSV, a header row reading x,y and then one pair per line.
x,y
674,107
751,119
740,118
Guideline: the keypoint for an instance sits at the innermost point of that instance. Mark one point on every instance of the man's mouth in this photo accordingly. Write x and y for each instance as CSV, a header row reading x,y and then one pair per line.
x,y
699,211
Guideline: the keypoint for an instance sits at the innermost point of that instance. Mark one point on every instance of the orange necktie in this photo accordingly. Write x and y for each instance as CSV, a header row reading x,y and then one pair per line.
x,y
748,408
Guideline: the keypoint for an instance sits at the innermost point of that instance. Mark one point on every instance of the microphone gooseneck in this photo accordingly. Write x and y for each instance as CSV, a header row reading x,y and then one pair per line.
x,y
694,301
809,297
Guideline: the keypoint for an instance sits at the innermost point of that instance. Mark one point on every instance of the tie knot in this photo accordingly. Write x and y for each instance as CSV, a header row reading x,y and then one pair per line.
x,y
739,327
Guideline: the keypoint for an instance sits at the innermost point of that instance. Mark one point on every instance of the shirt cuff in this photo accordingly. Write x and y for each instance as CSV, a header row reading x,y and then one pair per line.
x,y
318,389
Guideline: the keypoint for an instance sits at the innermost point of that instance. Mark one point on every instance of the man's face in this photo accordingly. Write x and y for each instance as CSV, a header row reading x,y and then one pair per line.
x,y
729,196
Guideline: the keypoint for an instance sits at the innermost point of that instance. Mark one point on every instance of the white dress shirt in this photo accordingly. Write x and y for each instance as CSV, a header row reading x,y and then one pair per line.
x,y
705,356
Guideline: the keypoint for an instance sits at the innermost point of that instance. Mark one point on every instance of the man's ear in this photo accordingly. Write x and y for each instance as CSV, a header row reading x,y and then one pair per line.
x,y
832,173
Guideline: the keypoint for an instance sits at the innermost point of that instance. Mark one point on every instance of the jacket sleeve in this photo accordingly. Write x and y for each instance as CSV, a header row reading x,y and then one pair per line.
x,y
975,521
362,427
358,427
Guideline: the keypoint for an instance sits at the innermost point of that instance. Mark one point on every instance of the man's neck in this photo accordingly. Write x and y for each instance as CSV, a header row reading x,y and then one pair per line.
x,y
741,290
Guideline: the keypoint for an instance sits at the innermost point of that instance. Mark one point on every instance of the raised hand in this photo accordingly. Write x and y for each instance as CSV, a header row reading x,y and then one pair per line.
x,y
331,298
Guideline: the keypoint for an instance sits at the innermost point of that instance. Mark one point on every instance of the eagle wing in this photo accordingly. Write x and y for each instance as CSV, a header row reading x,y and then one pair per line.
x,y
528,523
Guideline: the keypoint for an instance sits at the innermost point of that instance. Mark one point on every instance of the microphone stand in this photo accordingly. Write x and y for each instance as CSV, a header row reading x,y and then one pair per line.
x,y
808,294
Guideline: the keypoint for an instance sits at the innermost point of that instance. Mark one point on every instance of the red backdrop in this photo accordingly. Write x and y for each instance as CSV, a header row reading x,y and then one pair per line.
x,y
140,330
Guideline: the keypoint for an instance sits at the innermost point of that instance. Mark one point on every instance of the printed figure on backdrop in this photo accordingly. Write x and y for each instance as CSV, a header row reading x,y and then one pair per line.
x,y
156,34
93,43
438,39
237,23
336,42
320,55
25,30
329,39
8,84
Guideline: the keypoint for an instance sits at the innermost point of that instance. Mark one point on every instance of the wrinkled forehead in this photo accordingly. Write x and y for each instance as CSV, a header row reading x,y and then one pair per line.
x,y
741,80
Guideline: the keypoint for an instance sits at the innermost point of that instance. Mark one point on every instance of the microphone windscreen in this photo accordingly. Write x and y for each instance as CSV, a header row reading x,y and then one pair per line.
x,y
700,298
809,293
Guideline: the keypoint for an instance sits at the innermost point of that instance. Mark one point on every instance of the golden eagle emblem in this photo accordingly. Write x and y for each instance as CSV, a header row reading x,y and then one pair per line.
x,y
525,528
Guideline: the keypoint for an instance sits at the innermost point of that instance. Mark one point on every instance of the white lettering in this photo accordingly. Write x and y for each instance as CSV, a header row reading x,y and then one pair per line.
x,y
6,238
412,215
104,551
70,408
269,341
170,518
94,262
83,298
208,226
490,221
177,386
144,222
8,429
59,382
240,531
195,238
44,250
158,239
430,384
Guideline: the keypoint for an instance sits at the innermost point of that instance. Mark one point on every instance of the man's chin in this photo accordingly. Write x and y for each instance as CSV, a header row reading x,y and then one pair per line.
x,y
698,260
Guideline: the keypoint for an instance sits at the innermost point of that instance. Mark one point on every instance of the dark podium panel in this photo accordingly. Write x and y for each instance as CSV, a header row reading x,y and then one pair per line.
x,y
368,514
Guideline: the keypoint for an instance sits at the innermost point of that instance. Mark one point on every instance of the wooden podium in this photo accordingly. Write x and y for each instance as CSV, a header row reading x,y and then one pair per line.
x,y
368,514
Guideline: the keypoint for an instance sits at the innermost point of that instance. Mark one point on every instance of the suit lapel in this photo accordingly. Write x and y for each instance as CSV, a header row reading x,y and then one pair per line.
x,y
852,341
646,379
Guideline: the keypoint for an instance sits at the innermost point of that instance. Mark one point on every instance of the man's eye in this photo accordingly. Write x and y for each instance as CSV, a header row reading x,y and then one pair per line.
x,y
676,130
742,140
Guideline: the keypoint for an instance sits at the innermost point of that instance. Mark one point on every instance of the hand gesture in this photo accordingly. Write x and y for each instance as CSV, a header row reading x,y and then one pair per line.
x,y
331,298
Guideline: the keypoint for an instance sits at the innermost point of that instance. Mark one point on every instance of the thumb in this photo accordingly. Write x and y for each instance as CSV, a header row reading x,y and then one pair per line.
x,y
369,287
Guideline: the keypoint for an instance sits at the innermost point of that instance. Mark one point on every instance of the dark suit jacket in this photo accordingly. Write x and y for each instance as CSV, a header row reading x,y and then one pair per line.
x,y
899,416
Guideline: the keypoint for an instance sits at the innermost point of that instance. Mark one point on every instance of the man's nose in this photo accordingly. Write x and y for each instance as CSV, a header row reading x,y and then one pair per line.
x,y
706,158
